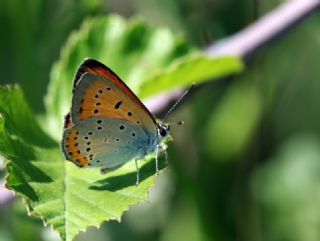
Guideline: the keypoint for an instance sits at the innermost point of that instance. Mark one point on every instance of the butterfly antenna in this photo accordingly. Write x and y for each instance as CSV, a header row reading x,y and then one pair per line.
x,y
177,102
179,123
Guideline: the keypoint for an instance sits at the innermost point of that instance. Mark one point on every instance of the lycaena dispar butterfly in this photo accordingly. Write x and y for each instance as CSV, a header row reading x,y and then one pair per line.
x,y
108,125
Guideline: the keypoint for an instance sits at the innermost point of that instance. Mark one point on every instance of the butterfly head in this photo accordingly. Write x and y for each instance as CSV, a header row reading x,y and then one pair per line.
x,y
163,129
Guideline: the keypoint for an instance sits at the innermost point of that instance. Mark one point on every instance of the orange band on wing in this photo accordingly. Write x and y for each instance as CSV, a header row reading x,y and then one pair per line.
x,y
72,151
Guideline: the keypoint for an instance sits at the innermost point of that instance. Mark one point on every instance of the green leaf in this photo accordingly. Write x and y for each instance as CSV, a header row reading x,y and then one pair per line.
x,y
63,195
196,67
18,117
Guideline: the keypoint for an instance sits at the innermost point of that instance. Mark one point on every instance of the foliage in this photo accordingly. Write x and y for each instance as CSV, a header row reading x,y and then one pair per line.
x,y
32,35
244,166
64,196
135,52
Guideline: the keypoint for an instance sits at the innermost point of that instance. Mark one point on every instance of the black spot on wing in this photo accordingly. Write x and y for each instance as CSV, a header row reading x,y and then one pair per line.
x,y
118,104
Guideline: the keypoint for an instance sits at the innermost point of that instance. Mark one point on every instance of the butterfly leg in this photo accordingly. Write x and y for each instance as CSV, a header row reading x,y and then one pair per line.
x,y
164,148
156,159
104,170
138,172
160,148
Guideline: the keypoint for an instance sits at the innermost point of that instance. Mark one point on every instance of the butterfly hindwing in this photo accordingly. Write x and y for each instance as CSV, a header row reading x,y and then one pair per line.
x,y
103,141
70,147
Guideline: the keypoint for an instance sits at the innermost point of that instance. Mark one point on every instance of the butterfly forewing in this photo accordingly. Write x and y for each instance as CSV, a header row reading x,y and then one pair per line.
x,y
96,96
94,66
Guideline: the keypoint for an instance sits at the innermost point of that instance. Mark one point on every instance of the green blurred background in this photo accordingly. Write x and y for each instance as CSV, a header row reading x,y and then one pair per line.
x,y
252,169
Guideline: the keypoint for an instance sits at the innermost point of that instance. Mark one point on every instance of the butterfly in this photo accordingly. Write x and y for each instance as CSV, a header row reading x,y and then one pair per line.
x,y
108,125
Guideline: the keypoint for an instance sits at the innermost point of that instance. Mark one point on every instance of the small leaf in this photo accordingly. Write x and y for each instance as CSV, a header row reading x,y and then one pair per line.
x,y
192,68
63,195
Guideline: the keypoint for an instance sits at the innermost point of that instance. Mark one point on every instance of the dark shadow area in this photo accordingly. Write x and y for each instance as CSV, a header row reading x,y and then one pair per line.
x,y
116,183
19,183
29,131
22,160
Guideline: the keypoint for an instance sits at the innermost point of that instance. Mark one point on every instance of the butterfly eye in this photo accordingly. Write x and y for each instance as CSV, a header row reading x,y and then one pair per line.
x,y
162,131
